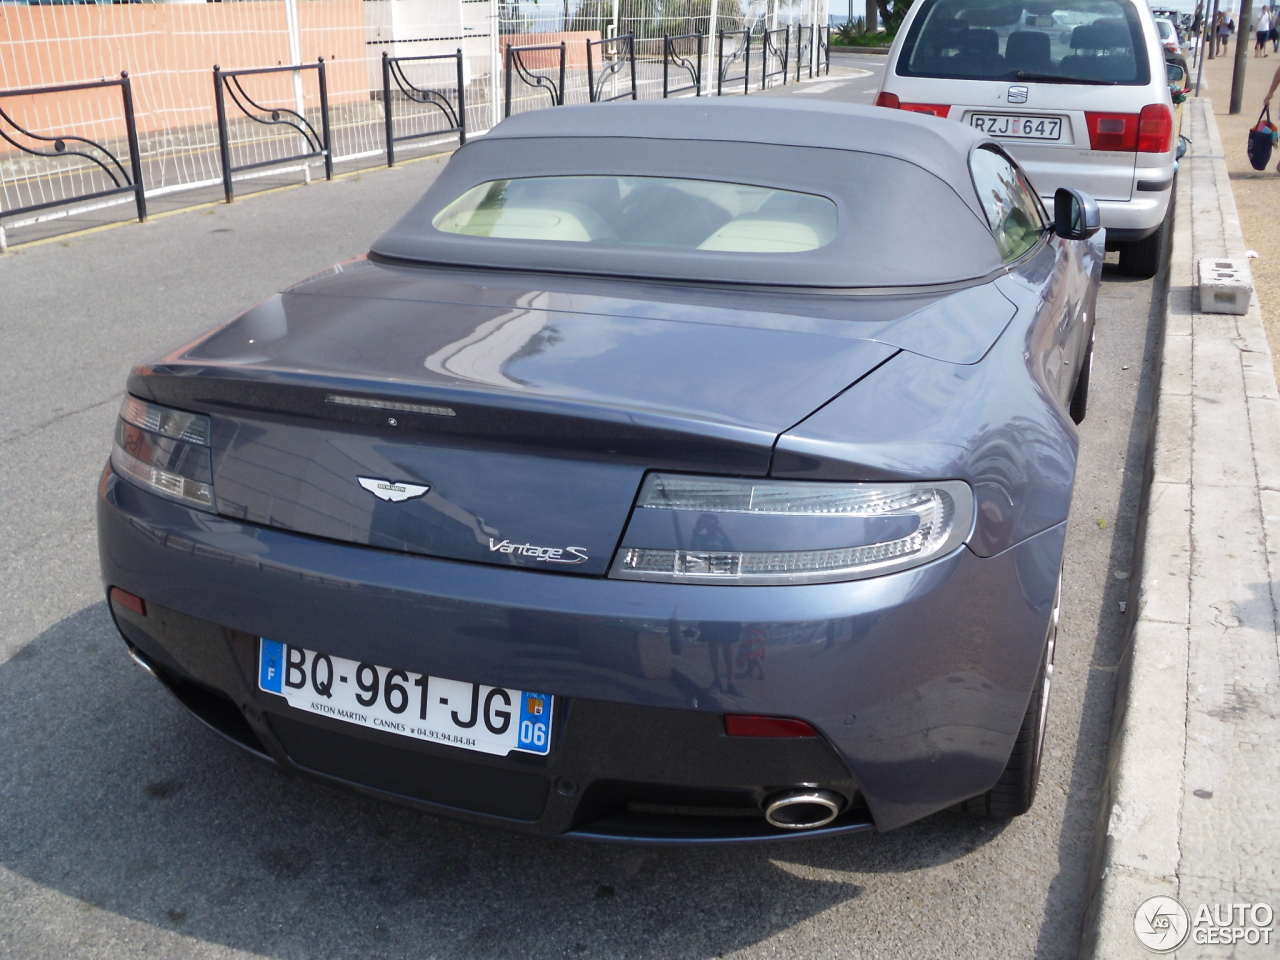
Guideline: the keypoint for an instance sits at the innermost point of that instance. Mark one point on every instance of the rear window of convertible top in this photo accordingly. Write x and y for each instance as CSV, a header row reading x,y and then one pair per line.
x,y
644,211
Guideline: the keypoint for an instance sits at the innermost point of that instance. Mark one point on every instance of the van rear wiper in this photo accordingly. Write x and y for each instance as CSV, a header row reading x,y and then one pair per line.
x,y
1056,78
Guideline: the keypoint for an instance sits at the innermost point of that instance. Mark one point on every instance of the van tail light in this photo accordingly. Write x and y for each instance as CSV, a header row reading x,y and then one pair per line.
x,y
1113,131
1155,129
891,101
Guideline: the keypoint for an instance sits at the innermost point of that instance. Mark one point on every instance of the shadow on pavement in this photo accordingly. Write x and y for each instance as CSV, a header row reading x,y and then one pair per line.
x,y
112,795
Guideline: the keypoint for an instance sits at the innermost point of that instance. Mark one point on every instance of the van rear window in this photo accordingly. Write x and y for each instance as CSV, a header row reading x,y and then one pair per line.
x,y
1046,41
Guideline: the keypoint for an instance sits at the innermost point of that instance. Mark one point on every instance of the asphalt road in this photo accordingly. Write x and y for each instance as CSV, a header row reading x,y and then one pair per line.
x,y
128,830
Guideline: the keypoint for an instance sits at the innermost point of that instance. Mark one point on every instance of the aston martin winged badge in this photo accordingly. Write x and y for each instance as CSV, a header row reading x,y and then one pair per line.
x,y
394,492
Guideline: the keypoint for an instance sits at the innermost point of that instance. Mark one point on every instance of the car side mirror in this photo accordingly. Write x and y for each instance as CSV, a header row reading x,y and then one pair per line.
x,y
1075,214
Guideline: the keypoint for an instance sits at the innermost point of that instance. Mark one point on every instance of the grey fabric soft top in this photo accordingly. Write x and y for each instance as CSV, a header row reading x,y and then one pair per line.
x,y
908,214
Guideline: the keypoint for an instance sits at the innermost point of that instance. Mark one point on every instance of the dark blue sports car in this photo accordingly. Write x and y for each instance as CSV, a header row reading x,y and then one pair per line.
x,y
672,472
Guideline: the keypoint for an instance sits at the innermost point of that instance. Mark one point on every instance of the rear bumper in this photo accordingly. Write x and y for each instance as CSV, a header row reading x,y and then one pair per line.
x,y
918,681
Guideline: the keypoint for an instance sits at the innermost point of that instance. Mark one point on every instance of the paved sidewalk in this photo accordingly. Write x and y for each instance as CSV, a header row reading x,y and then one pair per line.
x,y
1191,807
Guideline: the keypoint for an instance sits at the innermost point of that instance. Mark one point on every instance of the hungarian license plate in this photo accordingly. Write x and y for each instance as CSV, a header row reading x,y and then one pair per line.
x,y
1017,127
493,720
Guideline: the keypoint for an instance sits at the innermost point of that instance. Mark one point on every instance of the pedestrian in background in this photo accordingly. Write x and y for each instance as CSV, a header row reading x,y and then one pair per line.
x,y
1225,28
1263,33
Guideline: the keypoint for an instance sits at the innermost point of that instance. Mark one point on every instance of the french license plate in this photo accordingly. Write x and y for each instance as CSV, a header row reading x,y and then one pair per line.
x,y
1018,127
493,720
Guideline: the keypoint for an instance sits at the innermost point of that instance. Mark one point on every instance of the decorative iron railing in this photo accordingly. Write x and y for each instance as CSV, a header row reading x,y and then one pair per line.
x,y
317,143
613,63
455,110
824,50
771,53
517,65
740,41
690,61
804,50
66,146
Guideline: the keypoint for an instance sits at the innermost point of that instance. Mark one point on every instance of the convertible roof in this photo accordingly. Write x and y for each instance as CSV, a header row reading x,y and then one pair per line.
x,y
907,209
939,146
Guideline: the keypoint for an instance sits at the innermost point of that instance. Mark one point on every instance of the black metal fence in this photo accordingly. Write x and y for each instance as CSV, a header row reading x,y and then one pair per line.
x,y
524,62
317,144
66,146
739,53
684,53
774,57
454,111
613,63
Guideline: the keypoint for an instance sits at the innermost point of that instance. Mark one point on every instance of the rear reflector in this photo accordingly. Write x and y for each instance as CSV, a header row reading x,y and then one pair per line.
x,y
891,101
1112,131
747,725
129,601
1155,129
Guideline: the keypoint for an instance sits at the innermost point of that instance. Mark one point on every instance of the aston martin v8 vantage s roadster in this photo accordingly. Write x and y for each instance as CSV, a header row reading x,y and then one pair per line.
x,y
671,472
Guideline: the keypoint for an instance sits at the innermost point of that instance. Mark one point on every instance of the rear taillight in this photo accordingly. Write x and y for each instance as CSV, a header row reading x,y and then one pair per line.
x,y
1155,129
166,451
748,725
1112,131
1148,132
129,601
891,101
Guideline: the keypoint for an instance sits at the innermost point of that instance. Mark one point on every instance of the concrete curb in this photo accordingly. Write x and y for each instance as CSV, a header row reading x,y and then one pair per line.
x,y
1189,805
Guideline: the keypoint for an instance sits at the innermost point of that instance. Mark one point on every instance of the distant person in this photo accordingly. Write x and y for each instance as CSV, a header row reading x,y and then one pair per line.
x,y
1226,27
1263,33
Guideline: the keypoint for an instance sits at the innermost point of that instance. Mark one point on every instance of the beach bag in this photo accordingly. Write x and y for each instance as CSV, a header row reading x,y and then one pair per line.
x,y
1261,138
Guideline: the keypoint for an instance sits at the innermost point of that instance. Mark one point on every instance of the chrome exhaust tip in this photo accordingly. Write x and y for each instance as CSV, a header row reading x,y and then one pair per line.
x,y
802,809
142,661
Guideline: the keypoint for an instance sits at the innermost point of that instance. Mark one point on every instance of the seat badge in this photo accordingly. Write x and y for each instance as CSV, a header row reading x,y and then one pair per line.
x,y
1017,94
395,492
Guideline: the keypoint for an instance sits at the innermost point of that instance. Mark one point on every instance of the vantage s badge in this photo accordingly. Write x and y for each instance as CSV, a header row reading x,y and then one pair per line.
x,y
540,554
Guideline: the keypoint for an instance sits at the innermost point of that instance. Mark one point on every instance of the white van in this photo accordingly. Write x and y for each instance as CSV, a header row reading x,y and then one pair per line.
x,y
1074,89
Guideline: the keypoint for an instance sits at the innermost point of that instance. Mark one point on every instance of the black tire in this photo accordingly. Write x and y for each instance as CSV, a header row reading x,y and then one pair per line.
x,y
1141,258
1080,397
1015,791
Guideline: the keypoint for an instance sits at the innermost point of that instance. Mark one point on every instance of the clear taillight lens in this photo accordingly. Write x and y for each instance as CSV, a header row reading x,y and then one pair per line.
x,y
688,529
166,451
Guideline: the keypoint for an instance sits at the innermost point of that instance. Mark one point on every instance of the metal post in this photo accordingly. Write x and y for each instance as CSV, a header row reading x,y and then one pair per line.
x,y
712,24
462,103
506,100
324,121
786,52
666,56
135,161
1206,31
719,63
746,65
631,52
295,58
1243,36
697,80
224,148
386,109
560,101
1213,32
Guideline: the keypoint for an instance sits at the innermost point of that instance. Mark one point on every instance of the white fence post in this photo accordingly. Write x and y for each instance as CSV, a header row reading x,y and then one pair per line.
x,y
295,58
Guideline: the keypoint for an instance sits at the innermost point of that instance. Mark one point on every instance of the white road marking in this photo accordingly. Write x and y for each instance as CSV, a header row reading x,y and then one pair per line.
x,y
828,86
